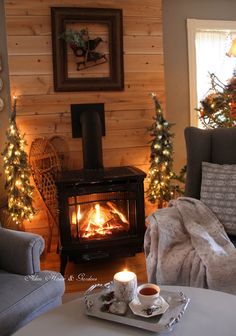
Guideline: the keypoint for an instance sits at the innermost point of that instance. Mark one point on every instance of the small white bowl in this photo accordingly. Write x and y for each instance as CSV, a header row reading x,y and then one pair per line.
x,y
148,301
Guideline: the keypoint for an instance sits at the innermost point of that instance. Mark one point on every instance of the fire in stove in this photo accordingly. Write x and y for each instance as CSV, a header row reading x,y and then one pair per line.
x,y
95,221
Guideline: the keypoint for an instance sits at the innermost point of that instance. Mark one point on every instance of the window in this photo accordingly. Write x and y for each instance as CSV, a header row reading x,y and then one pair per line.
x,y
208,42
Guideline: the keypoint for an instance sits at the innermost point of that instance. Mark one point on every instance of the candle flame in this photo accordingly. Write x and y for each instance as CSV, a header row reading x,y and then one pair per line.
x,y
124,276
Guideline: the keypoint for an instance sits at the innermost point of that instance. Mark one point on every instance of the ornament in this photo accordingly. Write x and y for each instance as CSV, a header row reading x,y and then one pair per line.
x,y
233,110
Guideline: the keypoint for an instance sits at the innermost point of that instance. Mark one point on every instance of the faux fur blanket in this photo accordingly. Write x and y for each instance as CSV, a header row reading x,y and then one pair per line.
x,y
185,244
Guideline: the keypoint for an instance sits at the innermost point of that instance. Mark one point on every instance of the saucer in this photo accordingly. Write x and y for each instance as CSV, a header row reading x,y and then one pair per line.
x,y
138,309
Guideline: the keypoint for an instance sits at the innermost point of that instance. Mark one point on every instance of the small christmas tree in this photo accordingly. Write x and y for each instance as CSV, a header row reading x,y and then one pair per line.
x,y
17,173
160,173
218,108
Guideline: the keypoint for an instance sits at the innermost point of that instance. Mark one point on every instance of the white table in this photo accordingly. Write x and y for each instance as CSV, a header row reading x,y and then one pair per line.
x,y
210,313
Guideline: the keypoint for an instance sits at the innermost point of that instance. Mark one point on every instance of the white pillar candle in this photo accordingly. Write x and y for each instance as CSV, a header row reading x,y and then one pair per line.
x,y
125,286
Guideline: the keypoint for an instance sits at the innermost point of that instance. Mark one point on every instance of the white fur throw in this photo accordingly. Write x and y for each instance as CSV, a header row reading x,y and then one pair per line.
x,y
185,244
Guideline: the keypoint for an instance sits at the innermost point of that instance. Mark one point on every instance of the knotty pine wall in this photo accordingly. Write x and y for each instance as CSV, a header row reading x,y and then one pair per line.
x,y
42,112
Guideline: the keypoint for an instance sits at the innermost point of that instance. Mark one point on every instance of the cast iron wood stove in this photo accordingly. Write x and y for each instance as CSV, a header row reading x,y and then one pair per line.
x,y
101,210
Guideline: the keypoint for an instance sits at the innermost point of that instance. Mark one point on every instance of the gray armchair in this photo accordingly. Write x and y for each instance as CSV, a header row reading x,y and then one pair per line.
x,y
25,291
213,145
185,243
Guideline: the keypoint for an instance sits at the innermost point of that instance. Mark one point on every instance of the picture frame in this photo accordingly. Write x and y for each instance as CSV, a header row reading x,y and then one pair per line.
x,y
104,74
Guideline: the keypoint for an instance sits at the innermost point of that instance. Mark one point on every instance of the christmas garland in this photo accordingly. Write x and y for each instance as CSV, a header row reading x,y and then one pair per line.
x,y
218,108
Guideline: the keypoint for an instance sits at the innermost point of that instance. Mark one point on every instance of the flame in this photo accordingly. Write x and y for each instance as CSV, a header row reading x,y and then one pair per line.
x,y
73,218
79,215
96,222
97,218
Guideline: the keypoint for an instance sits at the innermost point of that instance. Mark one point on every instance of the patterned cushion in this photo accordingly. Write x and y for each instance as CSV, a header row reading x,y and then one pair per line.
x,y
218,192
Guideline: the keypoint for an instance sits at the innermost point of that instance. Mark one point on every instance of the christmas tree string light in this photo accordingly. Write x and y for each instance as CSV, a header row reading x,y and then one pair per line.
x,y
17,173
164,183
160,172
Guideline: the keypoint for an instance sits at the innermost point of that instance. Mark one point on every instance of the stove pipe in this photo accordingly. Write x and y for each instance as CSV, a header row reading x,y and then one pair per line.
x,y
88,122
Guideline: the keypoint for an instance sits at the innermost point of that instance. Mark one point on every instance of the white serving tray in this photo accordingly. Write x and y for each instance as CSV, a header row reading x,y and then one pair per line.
x,y
177,301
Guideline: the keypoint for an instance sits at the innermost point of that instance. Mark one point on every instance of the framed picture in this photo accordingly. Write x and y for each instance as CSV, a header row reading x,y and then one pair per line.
x,y
87,45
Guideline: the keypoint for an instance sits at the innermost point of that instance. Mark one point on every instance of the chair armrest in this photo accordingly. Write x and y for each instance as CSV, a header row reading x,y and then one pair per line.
x,y
20,251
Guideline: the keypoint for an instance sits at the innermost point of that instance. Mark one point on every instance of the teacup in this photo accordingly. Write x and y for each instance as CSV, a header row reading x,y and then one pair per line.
x,y
148,295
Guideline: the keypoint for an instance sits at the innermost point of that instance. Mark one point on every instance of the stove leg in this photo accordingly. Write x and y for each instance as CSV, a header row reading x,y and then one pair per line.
x,y
64,259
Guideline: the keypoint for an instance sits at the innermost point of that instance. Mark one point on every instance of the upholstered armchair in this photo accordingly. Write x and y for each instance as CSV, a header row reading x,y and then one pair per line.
x,y
213,145
192,241
25,291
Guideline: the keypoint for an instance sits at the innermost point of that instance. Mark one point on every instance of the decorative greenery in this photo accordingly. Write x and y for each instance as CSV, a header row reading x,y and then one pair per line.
x,y
180,180
17,173
76,39
108,296
107,299
218,108
84,48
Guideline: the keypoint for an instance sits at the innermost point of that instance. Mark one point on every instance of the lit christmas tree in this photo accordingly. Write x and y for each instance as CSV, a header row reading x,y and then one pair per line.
x,y
218,108
17,173
160,172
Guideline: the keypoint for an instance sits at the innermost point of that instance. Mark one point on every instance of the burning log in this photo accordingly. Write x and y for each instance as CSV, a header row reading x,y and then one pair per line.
x,y
98,220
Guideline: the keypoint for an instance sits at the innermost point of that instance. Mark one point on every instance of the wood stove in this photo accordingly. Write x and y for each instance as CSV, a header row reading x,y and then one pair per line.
x,y
101,210
101,213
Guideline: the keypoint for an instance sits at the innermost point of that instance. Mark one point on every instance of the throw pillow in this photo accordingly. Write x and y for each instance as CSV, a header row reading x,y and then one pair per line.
x,y
218,192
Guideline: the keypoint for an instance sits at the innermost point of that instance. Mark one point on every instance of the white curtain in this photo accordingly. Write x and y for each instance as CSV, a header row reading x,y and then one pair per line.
x,y
211,48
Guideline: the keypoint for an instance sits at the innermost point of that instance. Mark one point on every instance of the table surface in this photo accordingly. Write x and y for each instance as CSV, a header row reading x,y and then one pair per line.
x,y
210,313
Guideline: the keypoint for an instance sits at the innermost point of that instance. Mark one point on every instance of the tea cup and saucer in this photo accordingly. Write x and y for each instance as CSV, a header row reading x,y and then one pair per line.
x,y
148,301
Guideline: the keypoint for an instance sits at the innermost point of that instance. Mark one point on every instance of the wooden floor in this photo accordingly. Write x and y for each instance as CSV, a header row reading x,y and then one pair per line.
x,y
80,277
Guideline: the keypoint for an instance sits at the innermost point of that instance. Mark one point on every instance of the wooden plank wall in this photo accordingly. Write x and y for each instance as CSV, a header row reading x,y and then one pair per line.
x,y
44,113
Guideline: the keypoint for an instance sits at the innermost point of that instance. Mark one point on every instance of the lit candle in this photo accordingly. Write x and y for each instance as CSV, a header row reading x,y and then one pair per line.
x,y
125,286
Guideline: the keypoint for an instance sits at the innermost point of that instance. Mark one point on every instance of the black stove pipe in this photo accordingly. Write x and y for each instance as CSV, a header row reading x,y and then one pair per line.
x,y
91,128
